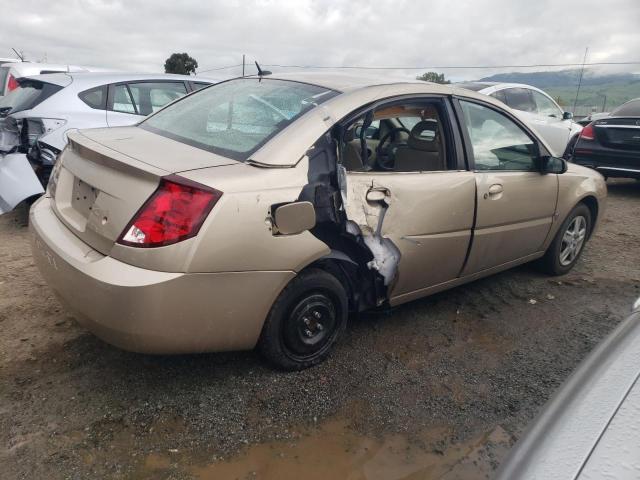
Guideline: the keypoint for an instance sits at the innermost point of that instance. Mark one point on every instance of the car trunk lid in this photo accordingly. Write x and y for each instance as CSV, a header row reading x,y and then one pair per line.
x,y
105,176
619,133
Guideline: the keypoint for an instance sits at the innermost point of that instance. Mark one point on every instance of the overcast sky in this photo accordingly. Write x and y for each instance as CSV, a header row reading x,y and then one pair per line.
x,y
140,34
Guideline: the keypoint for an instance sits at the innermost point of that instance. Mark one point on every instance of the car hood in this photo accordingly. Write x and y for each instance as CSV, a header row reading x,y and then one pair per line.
x,y
154,150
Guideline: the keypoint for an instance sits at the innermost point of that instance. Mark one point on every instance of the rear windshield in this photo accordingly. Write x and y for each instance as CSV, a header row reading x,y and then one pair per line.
x,y
28,95
629,109
3,79
237,117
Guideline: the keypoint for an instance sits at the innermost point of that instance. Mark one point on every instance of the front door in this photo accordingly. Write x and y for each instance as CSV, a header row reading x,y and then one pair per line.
x,y
515,202
412,202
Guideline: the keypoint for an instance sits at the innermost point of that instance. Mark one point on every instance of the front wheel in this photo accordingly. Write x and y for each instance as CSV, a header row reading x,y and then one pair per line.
x,y
305,321
564,251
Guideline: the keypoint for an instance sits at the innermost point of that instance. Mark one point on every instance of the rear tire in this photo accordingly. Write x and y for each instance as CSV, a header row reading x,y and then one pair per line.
x,y
568,244
305,321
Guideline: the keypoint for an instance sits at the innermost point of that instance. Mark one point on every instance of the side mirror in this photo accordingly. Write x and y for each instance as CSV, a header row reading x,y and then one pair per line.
x,y
553,165
292,218
567,116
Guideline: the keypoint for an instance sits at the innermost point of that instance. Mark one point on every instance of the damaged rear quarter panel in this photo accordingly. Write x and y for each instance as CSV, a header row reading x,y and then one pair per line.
x,y
239,227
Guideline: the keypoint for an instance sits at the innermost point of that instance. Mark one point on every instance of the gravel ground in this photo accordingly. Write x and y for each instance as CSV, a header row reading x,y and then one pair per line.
x,y
439,388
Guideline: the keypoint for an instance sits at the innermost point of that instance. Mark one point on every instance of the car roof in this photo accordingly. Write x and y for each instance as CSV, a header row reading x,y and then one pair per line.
x,y
84,80
343,82
356,92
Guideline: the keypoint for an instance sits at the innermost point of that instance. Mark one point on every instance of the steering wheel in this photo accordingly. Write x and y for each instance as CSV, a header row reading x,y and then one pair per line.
x,y
384,158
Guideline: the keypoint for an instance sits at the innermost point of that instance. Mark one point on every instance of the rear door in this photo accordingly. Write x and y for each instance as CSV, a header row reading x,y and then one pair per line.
x,y
129,102
515,202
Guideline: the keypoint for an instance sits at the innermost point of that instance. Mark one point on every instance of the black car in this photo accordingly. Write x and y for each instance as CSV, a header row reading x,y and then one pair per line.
x,y
611,145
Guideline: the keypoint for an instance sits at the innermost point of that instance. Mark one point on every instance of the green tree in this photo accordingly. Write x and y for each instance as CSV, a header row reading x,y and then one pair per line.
x,y
180,63
433,77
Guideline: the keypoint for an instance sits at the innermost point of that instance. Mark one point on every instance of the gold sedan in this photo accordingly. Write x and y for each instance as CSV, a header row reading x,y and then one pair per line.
x,y
262,211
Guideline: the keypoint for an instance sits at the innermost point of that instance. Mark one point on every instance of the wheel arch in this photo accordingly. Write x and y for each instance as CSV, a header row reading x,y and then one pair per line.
x,y
353,276
592,204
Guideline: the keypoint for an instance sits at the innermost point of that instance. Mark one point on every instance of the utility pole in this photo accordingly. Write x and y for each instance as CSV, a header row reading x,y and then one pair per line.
x,y
243,64
575,102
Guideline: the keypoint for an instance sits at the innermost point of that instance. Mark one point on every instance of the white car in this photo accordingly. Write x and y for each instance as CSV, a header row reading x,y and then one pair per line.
x,y
534,107
36,116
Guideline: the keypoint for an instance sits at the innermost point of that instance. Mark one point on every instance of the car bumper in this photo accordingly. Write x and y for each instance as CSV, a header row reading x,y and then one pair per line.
x,y
149,311
18,181
610,162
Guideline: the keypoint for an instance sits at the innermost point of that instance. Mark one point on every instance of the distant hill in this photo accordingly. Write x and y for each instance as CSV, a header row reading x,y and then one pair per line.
x,y
597,91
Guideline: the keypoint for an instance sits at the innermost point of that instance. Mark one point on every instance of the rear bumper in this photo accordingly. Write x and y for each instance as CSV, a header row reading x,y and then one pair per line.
x,y
149,311
18,181
608,161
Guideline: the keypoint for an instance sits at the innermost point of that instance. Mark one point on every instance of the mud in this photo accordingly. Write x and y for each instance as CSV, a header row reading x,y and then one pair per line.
x,y
439,388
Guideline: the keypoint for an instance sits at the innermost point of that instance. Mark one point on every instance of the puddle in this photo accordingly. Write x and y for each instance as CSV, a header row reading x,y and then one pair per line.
x,y
335,451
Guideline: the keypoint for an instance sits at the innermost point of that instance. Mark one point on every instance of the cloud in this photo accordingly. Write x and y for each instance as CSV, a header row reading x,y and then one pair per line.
x,y
140,35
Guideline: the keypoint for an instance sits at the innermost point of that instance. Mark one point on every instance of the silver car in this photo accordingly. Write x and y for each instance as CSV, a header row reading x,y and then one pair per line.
x,y
535,107
591,428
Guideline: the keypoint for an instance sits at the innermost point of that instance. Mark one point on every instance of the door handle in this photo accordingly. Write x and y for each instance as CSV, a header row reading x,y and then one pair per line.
x,y
494,190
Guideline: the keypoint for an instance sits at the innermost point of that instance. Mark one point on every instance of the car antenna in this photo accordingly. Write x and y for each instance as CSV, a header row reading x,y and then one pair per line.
x,y
262,73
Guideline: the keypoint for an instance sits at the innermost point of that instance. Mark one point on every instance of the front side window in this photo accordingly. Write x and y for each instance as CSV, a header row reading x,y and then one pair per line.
x,y
520,99
545,106
498,142
410,137
237,117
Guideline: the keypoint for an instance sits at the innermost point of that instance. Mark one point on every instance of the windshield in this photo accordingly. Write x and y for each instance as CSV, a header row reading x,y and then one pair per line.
x,y
28,95
236,118
629,109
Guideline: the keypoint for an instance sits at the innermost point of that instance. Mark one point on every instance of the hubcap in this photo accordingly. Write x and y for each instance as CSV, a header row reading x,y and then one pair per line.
x,y
310,325
572,240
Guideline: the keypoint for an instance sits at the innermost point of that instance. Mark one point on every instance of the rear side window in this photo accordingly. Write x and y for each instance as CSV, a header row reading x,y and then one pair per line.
x,y
95,97
499,95
150,97
28,95
629,109
199,85
520,99
237,117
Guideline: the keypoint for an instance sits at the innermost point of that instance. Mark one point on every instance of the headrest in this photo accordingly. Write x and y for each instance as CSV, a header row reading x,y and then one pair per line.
x,y
425,136
350,134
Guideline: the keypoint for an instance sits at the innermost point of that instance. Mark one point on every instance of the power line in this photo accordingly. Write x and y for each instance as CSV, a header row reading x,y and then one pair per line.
x,y
444,67
429,67
219,68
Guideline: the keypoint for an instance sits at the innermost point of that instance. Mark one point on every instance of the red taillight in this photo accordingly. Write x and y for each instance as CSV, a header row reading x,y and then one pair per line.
x,y
174,212
588,133
12,84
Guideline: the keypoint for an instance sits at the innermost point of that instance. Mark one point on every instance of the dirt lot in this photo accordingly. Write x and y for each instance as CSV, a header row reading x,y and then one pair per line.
x,y
439,388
